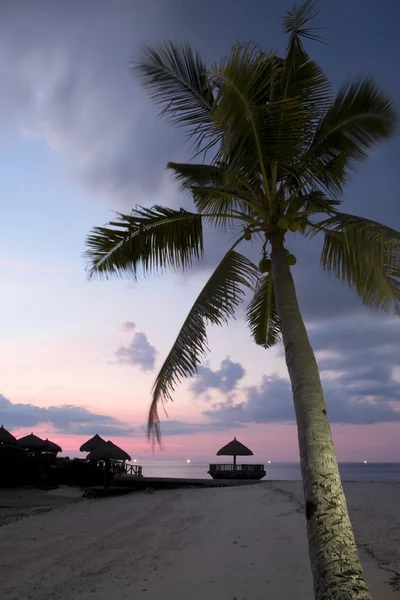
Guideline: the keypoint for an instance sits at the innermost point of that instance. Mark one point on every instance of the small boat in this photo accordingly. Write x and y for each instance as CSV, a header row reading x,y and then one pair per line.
x,y
235,471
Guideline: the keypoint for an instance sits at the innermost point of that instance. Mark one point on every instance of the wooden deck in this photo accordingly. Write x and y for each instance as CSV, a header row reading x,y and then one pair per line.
x,y
120,468
234,471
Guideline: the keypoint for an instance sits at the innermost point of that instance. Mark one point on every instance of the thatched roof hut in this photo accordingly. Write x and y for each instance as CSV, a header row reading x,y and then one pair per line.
x,y
52,447
235,448
108,451
92,444
7,438
33,443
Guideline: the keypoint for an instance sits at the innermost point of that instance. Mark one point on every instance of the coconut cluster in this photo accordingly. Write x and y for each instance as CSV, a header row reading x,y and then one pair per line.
x,y
265,263
284,223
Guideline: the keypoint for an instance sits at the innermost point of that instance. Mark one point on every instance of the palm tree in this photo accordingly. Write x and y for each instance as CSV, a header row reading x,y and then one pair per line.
x,y
281,148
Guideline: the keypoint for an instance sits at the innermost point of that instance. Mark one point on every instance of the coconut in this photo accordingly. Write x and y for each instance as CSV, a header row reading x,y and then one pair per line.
x,y
265,265
247,234
283,223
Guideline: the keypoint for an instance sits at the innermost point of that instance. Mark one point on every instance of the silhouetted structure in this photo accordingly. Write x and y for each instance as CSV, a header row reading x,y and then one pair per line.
x,y
107,452
235,471
7,438
52,447
92,444
32,443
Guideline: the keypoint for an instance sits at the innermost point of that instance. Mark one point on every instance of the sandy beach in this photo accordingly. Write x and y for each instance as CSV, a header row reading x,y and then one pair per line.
x,y
245,543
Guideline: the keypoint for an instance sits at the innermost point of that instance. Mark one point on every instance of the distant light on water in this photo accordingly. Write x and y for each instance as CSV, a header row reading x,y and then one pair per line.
x,y
134,460
188,460
365,462
269,462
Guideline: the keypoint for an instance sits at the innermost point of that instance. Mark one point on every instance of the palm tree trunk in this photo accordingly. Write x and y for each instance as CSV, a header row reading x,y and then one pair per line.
x,y
335,564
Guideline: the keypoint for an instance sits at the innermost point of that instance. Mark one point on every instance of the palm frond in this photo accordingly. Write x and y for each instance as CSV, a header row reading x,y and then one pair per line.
x,y
245,82
311,203
366,255
295,20
177,80
302,77
262,316
367,229
304,80
147,240
225,200
217,190
215,304
192,174
361,116
285,127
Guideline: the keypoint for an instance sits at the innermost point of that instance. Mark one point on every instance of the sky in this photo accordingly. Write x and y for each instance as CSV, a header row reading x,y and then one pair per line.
x,y
79,141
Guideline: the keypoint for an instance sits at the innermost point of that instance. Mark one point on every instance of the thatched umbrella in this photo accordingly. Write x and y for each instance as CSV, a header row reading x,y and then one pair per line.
x,y
106,452
7,438
52,447
92,444
33,443
234,448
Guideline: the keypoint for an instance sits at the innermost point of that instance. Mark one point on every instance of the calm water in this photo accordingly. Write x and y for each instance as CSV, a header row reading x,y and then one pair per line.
x,y
277,471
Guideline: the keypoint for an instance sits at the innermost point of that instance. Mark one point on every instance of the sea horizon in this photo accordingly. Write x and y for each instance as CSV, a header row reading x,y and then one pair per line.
x,y
277,471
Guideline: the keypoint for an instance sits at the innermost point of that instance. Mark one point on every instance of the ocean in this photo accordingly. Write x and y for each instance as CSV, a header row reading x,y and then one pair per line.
x,y
275,471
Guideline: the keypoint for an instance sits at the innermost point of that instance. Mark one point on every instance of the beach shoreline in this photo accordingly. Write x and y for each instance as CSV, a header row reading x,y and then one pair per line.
x,y
243,543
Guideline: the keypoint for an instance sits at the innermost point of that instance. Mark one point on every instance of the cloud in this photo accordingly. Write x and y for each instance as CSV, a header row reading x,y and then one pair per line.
x,y
169,428
269,402
86,105
363,333
66,418
272,402
127,326
109,431
138,353
224,379
358,359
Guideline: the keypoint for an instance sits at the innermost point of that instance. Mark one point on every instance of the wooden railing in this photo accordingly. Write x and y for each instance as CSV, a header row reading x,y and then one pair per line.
x,y
120,468
231,467
133,470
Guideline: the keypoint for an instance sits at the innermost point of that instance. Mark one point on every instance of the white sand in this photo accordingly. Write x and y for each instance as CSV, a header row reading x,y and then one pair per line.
x,y
244,543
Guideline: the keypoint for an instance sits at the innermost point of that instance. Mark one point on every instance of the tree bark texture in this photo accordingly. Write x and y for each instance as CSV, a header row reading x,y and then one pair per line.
x,y
336,567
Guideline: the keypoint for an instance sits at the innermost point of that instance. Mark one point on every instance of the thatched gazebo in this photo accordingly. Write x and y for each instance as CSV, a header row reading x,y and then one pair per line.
x,y
7,438
92,444
32,443
106,452
233,470
52,446
235,448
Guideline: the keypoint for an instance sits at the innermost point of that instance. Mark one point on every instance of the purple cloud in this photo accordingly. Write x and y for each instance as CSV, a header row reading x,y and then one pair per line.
x,y
223,379
138,353
66,418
